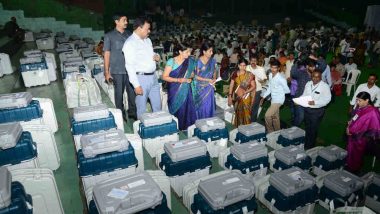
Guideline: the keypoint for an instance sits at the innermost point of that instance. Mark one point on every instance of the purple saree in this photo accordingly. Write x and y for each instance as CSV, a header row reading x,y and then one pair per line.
x,y
365,132
180,96
203,92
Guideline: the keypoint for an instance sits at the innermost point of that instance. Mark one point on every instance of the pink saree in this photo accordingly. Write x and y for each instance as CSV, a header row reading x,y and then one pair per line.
x,y
365,133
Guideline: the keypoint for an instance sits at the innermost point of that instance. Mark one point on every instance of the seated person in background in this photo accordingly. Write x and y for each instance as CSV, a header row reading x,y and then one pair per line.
x,y
12,30
350,65
369,87
338,66
336,80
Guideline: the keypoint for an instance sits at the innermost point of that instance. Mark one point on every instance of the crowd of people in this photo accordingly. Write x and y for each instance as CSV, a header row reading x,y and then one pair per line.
x,y
282,63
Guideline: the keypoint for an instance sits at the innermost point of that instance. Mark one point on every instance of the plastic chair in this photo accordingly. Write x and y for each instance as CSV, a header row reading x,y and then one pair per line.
x,y
351,80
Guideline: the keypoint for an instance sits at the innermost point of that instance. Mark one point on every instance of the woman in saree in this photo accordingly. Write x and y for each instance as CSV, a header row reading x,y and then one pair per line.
x,y
203,86
363,132
179,72
242,93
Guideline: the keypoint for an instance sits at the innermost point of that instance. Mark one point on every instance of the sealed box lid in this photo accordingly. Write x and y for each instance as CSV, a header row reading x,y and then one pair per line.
x,y
290,155
127,194
291,181
156,118
226,189
208,124
29,60
9,135
251,129
293,133
343,182
332,153
103,142
90,112
5,187
15,100
185,149
249,151
32,52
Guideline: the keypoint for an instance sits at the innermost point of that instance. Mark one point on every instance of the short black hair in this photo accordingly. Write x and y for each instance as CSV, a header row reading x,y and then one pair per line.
x,y
253,56
140,21
118,15
373,75
275,63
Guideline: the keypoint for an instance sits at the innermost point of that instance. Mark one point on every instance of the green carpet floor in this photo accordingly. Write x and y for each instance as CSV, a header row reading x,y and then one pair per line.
x,y
331,131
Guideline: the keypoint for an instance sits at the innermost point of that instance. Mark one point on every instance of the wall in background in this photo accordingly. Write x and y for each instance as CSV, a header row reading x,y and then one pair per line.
x,y
52,8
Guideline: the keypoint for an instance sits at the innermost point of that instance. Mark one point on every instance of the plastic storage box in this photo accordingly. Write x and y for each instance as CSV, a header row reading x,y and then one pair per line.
x,y
24,150
158,130
185,149
212,135
247,157
34,71
45,43
129,194
156,118
290,189
9,135
372,193
5,187
95,125
5,64
90,112
160,209
103,142
250,132
290,156
48,156
32,111
41,185
209,124
106,162
291,136
15,100
330,158
184,162
20,201
227,192
341,187
178,168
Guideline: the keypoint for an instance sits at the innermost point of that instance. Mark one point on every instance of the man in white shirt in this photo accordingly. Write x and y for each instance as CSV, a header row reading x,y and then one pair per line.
x,y
321,95
289,64
218,56
140,62
351,65
344,49
277,88
260,79
369,87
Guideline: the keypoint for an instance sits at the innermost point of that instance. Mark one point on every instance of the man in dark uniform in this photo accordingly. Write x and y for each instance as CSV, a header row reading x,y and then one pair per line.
x,y
114,65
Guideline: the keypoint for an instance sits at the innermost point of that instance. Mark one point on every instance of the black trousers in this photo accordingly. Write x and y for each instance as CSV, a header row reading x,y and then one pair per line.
x,y
313,117
121,84
255,107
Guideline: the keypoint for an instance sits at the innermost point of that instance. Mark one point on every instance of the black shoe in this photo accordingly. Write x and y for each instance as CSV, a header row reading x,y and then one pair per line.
x,y
134,117
125,118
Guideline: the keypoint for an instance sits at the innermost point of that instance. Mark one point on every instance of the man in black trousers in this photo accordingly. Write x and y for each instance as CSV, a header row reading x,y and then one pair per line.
x,y
320,95
114,65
